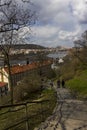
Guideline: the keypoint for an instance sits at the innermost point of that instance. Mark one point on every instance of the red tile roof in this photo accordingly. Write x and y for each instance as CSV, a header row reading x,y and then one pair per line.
x,y
22,68
2,84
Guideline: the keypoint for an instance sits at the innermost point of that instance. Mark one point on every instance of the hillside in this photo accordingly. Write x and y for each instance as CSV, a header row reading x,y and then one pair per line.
x,y
74,72
28,46
25,46
78,85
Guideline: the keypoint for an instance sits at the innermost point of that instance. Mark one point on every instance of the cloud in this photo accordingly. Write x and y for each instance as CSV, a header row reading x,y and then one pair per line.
x,y
23,32
59,21
48,10
80,10
67,35
46,31
45,35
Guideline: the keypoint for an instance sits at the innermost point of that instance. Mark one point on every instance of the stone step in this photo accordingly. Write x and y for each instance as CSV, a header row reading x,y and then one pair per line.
x,y
69,114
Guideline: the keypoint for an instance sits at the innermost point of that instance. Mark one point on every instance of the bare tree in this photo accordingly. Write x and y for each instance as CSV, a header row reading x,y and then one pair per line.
x,y
14,14
81,48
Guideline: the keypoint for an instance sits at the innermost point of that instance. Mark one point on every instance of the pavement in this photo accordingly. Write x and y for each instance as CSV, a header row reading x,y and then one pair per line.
x,y
69,113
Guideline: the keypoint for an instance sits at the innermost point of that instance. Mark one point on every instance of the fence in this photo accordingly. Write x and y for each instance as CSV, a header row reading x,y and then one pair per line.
x,y
23,116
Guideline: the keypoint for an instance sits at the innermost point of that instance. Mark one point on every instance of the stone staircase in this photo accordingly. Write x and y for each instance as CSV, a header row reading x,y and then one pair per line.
x,y
69,114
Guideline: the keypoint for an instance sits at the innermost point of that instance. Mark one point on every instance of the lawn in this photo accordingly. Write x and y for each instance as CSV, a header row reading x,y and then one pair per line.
x,y
78,85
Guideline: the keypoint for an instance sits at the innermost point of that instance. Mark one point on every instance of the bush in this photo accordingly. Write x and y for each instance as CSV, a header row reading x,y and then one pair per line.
x,y
28,85
51,74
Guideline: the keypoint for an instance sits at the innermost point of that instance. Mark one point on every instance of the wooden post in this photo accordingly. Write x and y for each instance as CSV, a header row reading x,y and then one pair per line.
x,y
26,112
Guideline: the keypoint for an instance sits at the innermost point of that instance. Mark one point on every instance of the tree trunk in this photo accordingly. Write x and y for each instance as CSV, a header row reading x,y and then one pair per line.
x,y
10,79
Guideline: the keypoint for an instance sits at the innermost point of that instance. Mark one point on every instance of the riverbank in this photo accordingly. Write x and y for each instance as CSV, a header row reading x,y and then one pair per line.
x,y
32,57
23,58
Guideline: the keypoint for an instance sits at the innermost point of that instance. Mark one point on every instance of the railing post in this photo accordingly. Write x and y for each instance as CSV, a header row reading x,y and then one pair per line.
x,y
26,112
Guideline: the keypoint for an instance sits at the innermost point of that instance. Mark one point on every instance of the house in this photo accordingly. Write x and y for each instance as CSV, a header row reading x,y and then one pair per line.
x,y
18,72
61,60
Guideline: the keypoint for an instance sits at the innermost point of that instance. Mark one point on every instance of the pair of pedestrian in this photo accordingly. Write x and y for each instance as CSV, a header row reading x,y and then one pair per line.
x,y
60,83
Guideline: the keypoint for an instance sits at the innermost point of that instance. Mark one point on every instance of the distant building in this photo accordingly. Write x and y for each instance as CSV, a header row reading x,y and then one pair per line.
x,y
61,61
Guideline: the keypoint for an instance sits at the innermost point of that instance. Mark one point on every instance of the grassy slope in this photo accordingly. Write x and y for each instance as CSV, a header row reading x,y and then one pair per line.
x,y
78,85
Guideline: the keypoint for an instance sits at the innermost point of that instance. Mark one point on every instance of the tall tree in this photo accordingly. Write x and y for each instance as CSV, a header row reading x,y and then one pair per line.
x,y
81,48
14,15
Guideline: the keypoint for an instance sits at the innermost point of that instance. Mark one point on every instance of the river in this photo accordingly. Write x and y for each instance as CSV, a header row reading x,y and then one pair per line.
x,y
57,55
20,61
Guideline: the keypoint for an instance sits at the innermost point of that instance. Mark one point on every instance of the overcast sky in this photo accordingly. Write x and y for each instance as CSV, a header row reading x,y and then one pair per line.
x,y
59,22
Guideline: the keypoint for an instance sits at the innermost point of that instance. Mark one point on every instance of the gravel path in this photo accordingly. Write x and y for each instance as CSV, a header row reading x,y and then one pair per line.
x,y
69,114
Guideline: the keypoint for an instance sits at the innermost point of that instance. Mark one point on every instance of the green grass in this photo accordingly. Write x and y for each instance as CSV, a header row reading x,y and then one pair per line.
x,y
78,85
37,112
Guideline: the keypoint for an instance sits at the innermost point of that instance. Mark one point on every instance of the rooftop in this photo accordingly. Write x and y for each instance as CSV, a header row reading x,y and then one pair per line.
x,y
22,68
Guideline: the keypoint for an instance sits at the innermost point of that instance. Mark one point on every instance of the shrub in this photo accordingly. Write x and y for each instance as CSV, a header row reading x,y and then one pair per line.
x,y
28,85
51,74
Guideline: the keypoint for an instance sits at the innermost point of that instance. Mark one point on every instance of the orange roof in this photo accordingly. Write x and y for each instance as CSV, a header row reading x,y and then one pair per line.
x,y
2,84
22,68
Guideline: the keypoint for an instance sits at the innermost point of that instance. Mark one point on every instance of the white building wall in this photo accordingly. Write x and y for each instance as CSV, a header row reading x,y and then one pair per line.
x,y
4,77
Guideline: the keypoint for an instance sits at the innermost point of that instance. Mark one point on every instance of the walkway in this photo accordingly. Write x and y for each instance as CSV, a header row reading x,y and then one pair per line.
x,y
69,114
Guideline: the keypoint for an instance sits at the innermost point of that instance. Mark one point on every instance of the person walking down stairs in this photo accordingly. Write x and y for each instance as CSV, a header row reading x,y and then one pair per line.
x,y
58,84
63,83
